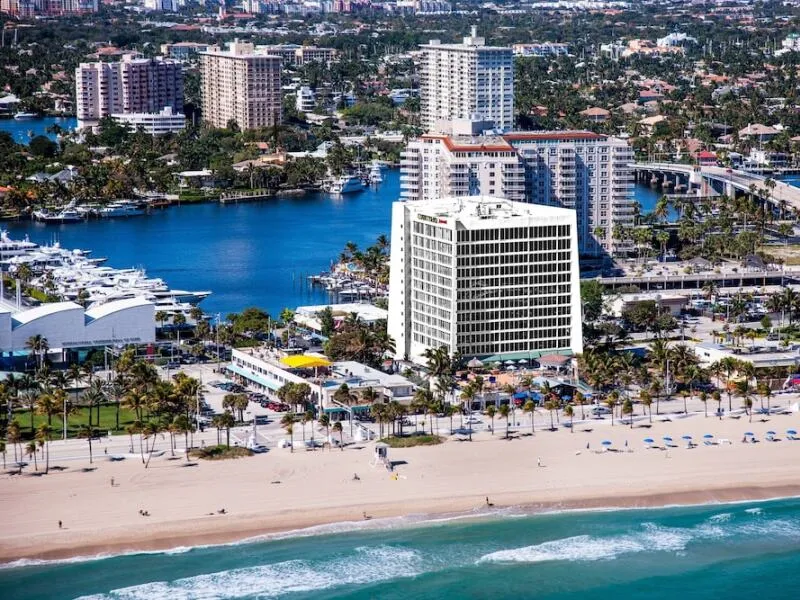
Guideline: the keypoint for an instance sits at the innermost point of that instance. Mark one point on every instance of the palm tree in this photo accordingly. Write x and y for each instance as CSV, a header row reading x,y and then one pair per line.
x,y
704,400
181,424
31,450
611,402
580,400
227,421
729,365
337,428
161,318
647,402
38,346
570,412
43,436
85,431
287,422
504,411
627,409
325,421
46,404
717,397
491,411
530,407
14,436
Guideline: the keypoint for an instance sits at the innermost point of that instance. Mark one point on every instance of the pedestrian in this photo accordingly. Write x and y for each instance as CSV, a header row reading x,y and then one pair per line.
x,y
59,524
539,461
587,445
112,482
105,450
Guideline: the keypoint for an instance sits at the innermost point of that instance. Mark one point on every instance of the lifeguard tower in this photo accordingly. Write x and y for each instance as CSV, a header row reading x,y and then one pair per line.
x,y
381,456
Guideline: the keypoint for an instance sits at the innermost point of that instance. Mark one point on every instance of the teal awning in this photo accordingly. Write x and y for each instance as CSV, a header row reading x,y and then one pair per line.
x,y
515,356
259,379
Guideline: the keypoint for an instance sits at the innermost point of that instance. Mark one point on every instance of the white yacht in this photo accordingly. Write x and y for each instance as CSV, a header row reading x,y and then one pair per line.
x,y
9,247
68,214
73,275
24,115
375,175
346,184
121,208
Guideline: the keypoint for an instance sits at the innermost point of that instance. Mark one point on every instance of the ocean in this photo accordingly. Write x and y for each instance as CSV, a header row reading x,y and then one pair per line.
x,y
731,551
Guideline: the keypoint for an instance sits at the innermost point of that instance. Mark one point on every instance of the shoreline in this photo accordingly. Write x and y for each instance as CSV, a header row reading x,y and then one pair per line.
x,y
246,529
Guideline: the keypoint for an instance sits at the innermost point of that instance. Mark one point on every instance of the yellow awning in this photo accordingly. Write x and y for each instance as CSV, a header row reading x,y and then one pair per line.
x,y
301,361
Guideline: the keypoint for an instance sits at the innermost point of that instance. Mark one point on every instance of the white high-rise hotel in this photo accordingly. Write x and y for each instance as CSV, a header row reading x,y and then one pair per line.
x,y
485,277
466,81
581,170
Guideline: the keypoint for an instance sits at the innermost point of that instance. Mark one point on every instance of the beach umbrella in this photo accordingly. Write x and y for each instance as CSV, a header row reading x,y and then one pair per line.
x,y
522,361
649,440
750,433
475,363
511,368
606,443
666,438
770,433
791,432
708,436
686,437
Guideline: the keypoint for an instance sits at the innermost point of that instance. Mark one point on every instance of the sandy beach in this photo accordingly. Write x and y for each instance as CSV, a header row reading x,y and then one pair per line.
x,y
282,491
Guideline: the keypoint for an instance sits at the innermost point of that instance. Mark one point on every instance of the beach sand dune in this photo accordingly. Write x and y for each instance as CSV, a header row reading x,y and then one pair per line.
x,y
283,491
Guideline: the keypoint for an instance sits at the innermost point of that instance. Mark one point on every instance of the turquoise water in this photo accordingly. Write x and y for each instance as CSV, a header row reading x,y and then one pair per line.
x,y
23,130
735,551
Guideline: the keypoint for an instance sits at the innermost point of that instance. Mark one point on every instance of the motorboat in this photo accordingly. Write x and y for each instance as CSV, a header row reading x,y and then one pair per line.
x,y
121,208
346,184
375,175
68,214
24,115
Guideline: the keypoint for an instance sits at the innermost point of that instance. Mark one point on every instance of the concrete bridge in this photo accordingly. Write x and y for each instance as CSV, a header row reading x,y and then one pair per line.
x,y
703,180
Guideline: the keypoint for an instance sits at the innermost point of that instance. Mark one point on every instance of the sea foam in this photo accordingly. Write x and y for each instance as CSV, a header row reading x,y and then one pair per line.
x,y
365,566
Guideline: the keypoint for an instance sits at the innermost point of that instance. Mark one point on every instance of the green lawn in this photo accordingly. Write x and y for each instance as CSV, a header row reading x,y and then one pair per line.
x,y
79,417
419,439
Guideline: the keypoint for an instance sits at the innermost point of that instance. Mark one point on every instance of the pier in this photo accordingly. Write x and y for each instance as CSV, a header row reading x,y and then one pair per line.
x,y
245,196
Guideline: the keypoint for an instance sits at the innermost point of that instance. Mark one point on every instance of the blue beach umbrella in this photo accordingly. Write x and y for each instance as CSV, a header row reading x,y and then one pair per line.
x,y
791,432
686,437
606,443
666,438
770,433
750,433
649,440
708,436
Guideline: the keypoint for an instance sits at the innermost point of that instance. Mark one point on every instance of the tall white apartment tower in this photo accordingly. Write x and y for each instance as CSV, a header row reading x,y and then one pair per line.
x,y
242,86
485,277
581,170
466,81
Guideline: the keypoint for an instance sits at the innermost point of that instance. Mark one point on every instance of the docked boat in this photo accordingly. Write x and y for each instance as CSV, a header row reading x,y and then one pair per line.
x,y
24,115
375,175
68,214
346,184
121,208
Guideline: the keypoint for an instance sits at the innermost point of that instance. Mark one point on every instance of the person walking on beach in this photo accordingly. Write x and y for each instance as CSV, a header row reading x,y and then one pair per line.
x,y
59,524
112,482
539,461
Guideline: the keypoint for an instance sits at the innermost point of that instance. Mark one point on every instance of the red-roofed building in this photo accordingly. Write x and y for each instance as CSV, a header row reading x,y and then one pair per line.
x,y
576,169
706,158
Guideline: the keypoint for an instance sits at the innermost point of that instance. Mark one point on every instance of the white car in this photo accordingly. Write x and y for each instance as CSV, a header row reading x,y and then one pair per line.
x,y
473,421
259,448
601,410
